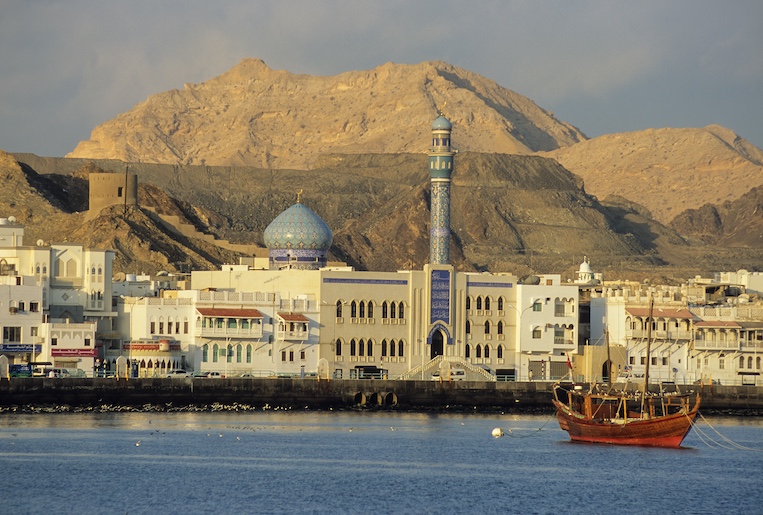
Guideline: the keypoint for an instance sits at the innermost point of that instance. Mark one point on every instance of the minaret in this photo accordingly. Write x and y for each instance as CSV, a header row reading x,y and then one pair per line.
x,y
440,168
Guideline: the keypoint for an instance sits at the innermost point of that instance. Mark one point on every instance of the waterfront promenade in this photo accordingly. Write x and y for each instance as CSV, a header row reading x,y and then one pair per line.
x,y
314,394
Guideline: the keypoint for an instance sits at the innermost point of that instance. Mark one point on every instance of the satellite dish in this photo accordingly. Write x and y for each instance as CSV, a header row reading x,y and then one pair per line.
x,y
40,243
12,219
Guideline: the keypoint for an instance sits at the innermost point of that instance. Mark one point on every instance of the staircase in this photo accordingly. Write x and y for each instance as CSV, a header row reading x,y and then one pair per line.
x,y
455,362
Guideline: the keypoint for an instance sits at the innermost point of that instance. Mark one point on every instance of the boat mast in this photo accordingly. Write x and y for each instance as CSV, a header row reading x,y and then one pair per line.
x,y
648,353
609,359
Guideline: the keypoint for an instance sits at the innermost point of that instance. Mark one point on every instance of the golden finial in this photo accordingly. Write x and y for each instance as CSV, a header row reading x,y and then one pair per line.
x,y
299,195
441,109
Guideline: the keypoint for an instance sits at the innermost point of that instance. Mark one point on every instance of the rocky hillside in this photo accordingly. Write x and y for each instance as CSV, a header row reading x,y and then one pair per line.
x,y
521,214
732,224
52,208
255,116
666,170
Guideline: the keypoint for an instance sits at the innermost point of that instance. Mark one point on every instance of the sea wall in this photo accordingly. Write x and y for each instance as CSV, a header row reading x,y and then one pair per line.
x,y
312,393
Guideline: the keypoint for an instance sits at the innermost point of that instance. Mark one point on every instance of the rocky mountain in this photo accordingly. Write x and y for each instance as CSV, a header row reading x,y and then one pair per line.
x,y
519,214
52,207
255,116
732,224
666,170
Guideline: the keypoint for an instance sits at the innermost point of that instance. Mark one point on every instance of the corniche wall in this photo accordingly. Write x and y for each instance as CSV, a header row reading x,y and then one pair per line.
x,y
311,393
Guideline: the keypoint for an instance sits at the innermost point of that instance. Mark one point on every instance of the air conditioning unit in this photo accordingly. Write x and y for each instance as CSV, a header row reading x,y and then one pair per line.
x,y
13,310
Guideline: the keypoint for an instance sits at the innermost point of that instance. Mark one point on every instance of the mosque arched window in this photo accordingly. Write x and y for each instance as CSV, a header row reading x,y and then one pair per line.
x,y
353,309
500,303
205,353
400,348
384,309
499,352
370,348
487,351
392,348
370,309
361,348
487,326
353,347
338,345
468,302
362,312
384,348
392,310
339,309
249,353
479,303
478,351
487,303
500,327
468,327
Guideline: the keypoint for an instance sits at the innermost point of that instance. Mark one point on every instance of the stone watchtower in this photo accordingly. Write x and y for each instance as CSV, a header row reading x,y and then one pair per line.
x,y
112,189
440,169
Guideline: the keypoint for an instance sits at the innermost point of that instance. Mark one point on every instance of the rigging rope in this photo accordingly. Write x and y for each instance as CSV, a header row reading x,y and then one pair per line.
x,y
728,443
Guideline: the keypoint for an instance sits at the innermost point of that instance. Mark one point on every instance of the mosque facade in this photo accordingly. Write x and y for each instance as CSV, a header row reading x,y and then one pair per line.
x,y
404,324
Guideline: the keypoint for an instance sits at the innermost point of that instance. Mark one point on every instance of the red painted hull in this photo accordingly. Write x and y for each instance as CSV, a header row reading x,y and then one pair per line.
x,y
662,431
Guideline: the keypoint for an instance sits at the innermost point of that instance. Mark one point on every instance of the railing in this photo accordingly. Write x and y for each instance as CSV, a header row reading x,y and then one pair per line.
x,y
222,332
710,344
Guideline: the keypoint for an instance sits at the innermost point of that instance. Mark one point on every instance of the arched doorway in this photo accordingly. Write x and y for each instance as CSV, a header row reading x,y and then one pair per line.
x,y
606,371
438,344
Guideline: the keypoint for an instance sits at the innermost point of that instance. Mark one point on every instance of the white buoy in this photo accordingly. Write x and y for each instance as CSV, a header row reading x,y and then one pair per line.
x,y
497,432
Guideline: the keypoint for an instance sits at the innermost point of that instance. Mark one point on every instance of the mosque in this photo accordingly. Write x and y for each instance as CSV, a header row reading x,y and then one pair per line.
x,y
312,317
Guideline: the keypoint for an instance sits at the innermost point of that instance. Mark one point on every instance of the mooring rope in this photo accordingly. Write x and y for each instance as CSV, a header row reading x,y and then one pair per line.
x,y
728,443
532,432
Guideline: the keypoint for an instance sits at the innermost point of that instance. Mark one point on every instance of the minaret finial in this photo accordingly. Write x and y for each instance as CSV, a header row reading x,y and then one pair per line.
x,y
299,195
441,109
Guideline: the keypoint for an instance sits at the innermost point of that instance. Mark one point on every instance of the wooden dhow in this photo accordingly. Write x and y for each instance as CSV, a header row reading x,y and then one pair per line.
x,y
622,418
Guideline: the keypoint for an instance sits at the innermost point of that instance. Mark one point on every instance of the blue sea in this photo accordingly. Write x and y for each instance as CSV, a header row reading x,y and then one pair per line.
x,y
360,462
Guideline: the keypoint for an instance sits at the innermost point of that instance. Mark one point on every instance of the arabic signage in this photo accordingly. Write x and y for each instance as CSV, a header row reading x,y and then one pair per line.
x,y
86,353
440,297
20,347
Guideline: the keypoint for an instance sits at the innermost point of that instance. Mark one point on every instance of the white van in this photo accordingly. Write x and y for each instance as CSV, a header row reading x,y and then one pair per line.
x,y
456,374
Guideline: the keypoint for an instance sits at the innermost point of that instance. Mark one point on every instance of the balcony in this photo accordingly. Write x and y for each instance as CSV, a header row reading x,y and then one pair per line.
x,y
293,335
231,332
716,345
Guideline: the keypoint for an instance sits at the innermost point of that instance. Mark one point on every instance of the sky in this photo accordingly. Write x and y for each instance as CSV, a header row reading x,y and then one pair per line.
x,y
604,66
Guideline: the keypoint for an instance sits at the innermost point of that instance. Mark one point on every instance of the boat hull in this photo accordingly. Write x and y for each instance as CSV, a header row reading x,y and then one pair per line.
x,y
664,431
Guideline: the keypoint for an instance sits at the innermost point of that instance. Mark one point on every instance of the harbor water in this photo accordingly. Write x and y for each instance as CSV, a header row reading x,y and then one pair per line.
x,y
361,462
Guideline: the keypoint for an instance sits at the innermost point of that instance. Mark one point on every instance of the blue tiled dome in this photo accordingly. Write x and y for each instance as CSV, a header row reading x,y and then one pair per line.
x,y
441,123
298,228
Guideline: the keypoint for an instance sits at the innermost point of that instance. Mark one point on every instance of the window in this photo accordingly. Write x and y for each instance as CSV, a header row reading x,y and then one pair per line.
x,y
54,341
205,353
400,348
499,352
478,351
248,353
632,360
362,309
353,310
13,334
361,348
215,353
119,191
468,327
185,326
153,327
370,309
302,355
353,348
487,351
654,360
22,306
500,327
384,348
664,361
370,348
33,331
467,351
283,355
87,342
338,345
392,310
468,303
229,354
536,333
479,302
291,355
721,364
500,303
339,309
487,327
487,303
232,323
643,360
401,310
384,309
537,306
392,348
239,355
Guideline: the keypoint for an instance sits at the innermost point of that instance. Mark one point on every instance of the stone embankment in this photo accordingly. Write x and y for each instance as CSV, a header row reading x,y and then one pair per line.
x,y
314,394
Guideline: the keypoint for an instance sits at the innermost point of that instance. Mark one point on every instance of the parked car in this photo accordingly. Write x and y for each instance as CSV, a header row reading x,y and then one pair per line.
x,y
199,373
22,370
179,373
215,375
50,372
456,374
